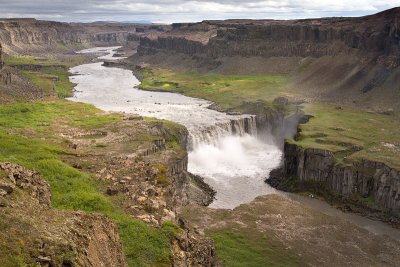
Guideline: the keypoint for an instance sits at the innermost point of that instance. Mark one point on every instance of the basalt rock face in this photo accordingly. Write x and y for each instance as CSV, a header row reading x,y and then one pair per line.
x,y
365,178
30,35
379,34
13,86
345,60
1,57
62,238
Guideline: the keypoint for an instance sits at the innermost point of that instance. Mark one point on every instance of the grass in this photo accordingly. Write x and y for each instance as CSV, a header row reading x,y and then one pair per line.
x,y
162,177
75,190
51,74
51,79
71,188
49,60
228,91
352,134
40,116
237,249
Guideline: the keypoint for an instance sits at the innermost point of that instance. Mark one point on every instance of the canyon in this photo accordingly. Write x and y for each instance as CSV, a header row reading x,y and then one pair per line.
x,y
343,61
157,174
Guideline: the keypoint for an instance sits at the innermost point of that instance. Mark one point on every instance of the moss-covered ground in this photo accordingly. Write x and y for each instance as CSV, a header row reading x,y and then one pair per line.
x,y
352,134
228,91
248,248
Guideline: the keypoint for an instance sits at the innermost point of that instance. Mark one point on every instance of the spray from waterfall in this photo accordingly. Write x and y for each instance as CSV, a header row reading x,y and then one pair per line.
x,y
229,155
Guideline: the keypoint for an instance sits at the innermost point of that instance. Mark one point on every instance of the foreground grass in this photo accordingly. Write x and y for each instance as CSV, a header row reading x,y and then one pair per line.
x,y
228,91
40,115
352,134
24,126
71,188
237,249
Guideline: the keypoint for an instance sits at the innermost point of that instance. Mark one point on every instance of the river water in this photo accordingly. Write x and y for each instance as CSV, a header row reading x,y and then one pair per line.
x,y
235,165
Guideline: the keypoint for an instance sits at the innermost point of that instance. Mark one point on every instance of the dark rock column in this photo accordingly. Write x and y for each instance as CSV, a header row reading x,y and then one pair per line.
x,y
1,57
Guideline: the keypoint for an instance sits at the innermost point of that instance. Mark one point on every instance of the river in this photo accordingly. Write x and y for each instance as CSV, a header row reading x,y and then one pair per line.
x,y
235,165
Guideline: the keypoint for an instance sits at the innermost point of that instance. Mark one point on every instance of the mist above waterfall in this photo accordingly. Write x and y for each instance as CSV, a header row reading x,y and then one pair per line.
x,y
239,164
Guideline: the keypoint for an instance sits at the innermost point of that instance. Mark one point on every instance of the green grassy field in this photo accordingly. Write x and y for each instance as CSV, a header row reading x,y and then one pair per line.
x,y
228,91
250,249
49,60
71,188
352,134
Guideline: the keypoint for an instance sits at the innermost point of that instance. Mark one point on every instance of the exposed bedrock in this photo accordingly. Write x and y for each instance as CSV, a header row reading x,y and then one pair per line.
x,y
364,177
24,35
350,60
379,34
1,57
62,238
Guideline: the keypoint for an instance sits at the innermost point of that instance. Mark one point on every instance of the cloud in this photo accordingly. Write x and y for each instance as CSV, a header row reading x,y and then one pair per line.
x,y
175,11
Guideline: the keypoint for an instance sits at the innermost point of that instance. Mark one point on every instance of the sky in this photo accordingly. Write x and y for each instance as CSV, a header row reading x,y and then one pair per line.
x,y
169,11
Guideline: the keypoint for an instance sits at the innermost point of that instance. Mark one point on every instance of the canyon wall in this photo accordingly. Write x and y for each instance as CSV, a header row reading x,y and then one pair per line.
x,y
344,60
365,178
378,34
1,57
30,35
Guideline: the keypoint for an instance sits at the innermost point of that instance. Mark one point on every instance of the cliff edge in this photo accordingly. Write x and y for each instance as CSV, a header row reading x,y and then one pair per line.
x,y
62,238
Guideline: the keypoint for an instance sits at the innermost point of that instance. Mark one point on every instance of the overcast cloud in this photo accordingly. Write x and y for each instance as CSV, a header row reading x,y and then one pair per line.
x,y
178,11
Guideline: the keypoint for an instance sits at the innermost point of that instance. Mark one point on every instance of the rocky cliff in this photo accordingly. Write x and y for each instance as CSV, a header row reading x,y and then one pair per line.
x,y
378,34
365,178
1,57
334,59
62,238
13,86
30,35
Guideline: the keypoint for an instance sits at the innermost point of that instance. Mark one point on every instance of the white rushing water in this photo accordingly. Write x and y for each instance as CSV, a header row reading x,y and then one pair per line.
x,y
223,148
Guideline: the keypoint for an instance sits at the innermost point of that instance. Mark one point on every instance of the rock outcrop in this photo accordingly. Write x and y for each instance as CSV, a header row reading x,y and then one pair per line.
x,y
351,60
151,178
1,57
365,178
30,35
36,234
269,38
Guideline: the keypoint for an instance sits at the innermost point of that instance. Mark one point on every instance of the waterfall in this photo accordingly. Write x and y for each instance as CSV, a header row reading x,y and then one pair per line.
x,y
224,149
212,134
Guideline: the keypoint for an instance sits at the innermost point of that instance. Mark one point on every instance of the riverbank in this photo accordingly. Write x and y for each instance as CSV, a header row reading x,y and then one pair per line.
x,y
340,130
233,235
